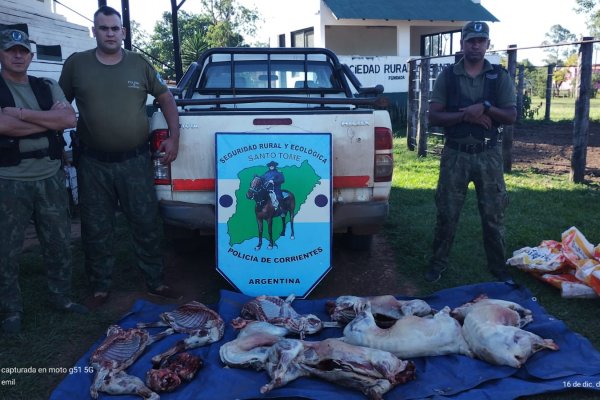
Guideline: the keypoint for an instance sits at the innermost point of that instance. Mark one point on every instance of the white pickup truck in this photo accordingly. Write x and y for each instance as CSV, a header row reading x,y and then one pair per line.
x,y
285,90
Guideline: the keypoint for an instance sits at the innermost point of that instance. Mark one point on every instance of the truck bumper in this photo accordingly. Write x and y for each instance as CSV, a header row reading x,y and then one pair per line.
x,y
357,218
200,217
360,218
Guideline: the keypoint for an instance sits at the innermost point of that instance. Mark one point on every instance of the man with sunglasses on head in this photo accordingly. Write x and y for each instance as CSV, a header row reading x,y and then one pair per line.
x,y
110,86
33,113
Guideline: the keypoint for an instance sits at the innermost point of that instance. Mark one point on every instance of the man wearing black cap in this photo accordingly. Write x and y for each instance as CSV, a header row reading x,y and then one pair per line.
x,y
470,100
274,179
32,182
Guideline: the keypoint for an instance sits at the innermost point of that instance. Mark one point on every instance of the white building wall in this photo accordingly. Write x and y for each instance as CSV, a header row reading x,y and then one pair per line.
x,y
306,14
362,40
359,37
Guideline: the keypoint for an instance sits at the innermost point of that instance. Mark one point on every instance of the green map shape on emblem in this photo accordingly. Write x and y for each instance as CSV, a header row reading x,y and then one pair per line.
x,y
300,180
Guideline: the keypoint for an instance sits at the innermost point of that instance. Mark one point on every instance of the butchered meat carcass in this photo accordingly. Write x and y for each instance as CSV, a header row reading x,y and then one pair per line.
x,y
203,326
525,315
173,372
373,372
386,309
278,312
249,349
120,349
494,335
410,336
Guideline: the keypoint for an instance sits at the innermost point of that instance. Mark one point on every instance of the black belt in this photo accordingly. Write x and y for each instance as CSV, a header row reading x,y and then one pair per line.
x,y
35,154
115,156
471,148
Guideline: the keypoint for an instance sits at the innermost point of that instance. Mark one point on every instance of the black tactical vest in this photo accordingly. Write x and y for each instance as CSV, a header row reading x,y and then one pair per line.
x,y
9,146
456,100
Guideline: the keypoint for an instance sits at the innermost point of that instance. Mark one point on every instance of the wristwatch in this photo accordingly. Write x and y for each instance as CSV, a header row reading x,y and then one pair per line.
x,y
486,106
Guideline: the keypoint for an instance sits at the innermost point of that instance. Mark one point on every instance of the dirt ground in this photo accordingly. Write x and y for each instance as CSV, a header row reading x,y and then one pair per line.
x,y
190,260
544,148
547,149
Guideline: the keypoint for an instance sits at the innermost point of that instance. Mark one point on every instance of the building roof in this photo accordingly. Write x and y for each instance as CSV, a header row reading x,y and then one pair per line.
x,y
410,10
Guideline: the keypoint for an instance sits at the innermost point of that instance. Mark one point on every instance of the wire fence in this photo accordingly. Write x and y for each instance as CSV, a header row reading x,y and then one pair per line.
x,y
423,73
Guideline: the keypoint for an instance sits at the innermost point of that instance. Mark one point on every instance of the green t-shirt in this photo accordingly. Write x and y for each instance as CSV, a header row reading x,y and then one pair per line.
x,y
31,169
111,99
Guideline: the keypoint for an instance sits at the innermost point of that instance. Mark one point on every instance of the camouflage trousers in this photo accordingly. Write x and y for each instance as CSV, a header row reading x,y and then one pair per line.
x,y
46,202
104,187
457,170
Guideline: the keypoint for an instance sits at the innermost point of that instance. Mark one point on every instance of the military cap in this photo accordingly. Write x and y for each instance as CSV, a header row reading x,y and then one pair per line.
x,y
475,29
14,37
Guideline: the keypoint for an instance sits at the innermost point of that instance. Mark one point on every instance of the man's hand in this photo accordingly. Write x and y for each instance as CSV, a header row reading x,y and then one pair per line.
x,y
14,112
59,105
17,112
169,147
474,114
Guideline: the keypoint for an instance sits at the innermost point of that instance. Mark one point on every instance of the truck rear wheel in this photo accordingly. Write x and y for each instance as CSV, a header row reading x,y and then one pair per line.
x,y
182,240
358,242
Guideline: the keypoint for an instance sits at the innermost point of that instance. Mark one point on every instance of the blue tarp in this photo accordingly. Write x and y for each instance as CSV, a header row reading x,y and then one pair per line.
x,y
575,365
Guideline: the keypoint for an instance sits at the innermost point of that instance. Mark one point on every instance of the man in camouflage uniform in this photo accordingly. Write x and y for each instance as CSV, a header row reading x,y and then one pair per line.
x,y
471,152
32,182
110,86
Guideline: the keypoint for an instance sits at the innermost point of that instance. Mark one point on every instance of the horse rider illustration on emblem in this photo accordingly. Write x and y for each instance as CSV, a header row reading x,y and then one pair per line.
x,y
273,180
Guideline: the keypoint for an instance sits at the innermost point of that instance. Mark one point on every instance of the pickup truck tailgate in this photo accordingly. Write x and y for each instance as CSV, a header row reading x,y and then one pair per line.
x,y
352,142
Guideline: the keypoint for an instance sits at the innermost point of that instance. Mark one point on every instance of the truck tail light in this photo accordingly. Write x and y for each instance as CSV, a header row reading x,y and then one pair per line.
x,y
162,172
384,158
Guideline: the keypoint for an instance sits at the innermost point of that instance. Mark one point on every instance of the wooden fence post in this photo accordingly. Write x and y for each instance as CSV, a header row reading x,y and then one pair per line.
x,y
412,102
435,71
549,92
520,87
423,107
508,132
581,124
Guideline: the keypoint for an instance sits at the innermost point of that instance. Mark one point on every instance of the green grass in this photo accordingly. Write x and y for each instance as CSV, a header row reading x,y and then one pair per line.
x,y
563,109
541,207
53,339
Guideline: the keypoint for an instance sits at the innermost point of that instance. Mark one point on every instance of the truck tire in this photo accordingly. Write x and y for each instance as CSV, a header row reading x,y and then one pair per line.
x,y
358,242
180,239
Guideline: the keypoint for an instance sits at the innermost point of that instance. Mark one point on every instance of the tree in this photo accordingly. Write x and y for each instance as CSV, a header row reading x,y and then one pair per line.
x,y
220,24
140,42
191,48
592,9
228,21
556,36
564,73
559,77
534,79
192,31
139,37
221,35
595,83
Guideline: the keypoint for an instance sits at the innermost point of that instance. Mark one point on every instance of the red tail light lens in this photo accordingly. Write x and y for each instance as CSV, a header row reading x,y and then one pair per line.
x,y
384,159
158,136
162,172
383,139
